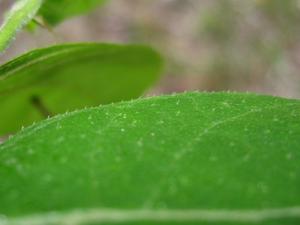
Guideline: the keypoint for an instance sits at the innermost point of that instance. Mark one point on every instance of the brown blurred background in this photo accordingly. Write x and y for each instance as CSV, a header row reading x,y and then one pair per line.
x,y
208,45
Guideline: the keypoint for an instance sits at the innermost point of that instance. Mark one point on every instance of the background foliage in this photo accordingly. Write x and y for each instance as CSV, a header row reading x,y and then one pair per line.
x,y
209,44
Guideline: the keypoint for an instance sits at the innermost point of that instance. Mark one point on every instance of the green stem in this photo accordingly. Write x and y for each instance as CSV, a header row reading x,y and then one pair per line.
x,y
19,15
47,27
39,105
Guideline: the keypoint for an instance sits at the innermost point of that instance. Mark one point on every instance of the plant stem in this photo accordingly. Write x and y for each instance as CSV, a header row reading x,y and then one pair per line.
x,y
40,106
19,15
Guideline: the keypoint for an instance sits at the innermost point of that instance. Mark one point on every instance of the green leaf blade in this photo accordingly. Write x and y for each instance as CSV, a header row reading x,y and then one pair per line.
x,y
55,11
73,76
191,159
21,13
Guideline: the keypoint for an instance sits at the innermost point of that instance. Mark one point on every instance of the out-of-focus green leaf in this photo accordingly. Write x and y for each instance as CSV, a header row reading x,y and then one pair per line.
x,y
19,16
55,11
191,159
60,78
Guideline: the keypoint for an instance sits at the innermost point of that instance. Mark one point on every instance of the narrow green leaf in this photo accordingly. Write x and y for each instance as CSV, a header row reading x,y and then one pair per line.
x,y
67,77
19,16
55,11
192,158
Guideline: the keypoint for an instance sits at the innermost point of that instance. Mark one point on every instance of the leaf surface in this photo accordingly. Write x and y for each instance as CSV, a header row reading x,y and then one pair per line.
x,y
19,16
183,159
55,11
67,77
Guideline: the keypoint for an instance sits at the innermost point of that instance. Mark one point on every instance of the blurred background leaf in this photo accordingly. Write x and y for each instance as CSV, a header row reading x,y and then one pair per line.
x,y
53,80
55,11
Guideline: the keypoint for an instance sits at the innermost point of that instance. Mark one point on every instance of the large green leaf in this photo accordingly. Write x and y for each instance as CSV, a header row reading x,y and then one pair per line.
x,y
55,11
183,159
20,15
68,77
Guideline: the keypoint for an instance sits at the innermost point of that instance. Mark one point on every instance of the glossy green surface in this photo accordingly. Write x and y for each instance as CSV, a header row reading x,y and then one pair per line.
x,y
67,77
191,158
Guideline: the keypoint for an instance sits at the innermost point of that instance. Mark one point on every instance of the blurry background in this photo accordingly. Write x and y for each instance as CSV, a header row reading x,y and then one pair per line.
x,y
209,45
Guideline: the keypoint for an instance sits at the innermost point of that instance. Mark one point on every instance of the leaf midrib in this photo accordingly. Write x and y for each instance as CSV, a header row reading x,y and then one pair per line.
x,y
102,215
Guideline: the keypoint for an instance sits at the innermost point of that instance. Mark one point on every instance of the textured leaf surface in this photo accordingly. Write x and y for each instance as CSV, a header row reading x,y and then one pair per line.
x,y
183,159
20,14
55,11
72,76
